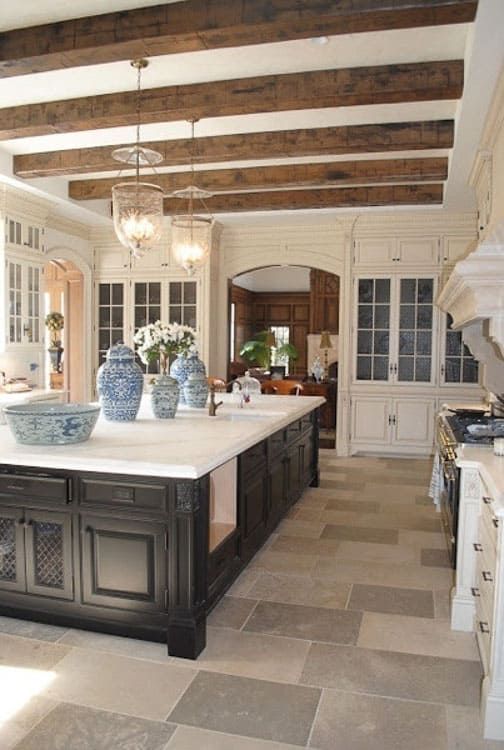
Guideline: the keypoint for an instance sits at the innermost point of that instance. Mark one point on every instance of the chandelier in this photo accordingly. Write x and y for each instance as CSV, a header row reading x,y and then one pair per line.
x,y
191,234
137,207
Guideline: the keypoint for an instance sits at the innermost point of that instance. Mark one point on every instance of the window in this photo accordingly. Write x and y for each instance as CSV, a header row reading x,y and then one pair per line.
x,y
281,334
110,317
182,303
147,306
460,366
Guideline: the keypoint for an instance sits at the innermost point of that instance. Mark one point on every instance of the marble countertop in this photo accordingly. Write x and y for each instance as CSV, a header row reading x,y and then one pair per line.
x,y
188,446
20,397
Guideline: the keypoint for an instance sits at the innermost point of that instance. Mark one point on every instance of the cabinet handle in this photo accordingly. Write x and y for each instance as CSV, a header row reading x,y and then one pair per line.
x,y
477,547
15,487
474,591
442,369
395,369
483,626
28,523
394,419
495,522
391,368
487,576
486,500
19,522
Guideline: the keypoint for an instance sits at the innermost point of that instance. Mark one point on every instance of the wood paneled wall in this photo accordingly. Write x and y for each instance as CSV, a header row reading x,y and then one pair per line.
x,y
324,301
286,309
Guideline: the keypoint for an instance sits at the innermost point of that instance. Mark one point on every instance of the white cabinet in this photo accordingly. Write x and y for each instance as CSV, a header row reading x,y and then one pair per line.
x,y
457,365
114,259
23,304
403,251
394,330
455,247
403,424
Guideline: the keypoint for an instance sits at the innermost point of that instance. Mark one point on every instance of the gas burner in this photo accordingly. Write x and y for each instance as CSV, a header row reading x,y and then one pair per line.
x,y
480,430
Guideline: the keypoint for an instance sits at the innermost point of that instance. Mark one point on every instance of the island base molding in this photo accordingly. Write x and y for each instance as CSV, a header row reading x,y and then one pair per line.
x,y
145,556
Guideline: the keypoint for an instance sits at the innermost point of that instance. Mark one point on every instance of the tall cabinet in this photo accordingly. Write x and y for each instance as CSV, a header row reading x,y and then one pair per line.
x,y
406,360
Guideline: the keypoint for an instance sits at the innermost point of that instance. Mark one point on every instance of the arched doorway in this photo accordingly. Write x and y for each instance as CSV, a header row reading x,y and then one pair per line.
x,y
296,305
67,289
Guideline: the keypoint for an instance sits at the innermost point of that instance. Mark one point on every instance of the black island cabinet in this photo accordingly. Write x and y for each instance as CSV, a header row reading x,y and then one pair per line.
x,y
145,557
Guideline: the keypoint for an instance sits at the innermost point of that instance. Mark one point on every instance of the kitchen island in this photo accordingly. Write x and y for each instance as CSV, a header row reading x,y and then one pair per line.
x,y
140,530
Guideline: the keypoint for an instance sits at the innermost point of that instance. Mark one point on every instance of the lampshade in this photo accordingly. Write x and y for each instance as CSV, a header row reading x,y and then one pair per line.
x,y
138,215
137,207
325,341
270,339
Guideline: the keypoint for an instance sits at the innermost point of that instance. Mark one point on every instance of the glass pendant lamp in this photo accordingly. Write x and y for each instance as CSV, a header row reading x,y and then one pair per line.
x,y
137,207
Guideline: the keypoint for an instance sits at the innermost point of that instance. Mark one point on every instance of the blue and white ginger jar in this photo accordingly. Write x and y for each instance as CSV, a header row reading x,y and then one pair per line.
x,y
196,390
165,397
184,366
120,384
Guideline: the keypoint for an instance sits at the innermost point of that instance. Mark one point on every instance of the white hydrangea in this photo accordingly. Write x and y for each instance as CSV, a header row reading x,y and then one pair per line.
x,y
156,339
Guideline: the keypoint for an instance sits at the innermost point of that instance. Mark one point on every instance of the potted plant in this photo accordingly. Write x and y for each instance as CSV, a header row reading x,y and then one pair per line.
x,y
258,351
55,322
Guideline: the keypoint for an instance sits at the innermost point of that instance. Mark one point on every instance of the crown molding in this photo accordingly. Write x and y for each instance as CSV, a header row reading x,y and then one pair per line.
x,y
68,226
23,204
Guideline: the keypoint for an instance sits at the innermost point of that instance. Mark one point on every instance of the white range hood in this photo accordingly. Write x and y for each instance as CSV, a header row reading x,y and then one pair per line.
x,y
474,293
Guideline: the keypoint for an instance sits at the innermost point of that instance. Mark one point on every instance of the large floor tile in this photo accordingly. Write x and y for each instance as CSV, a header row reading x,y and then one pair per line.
x,y
442,603
283,562
244,582
18,717
299,590
255,655
116,644
356,534
310,623
416,635
465,730
392,674
341,483
422,539
117,683
22,652
392,600
366,722
192,738
299,546
255,708
70,727
354,505
308,529
382,574
435,558
26,629
231,612
370,552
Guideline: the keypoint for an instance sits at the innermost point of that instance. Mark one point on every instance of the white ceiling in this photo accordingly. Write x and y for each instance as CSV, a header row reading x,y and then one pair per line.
x,y
409,45
275,279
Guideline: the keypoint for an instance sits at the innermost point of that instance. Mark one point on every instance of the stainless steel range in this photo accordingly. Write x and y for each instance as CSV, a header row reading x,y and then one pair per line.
x,y
461,427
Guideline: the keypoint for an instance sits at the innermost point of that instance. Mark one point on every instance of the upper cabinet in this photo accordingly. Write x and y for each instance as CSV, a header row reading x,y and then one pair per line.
x,y
23,304
403,251
23,234
456,246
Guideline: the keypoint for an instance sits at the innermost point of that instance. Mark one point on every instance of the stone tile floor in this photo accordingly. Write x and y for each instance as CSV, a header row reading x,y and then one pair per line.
x,y
336,637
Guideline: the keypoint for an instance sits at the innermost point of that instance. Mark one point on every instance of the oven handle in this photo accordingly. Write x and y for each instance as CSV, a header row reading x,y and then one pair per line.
x,y
449,472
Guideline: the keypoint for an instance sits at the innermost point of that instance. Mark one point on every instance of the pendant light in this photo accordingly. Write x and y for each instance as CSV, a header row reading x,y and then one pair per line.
x,y
191,232
137,207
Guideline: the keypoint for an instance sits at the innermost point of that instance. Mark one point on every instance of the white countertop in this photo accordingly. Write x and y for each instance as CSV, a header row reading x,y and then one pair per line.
x,y
188,446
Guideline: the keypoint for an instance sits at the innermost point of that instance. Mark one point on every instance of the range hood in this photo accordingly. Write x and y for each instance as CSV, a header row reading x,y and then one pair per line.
x,y
474,293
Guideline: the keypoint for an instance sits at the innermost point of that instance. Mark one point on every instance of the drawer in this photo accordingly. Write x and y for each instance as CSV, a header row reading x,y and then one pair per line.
x,y
222,556
488,520
254,458
127,494
33,487
485,602
483,639
293,431
306,422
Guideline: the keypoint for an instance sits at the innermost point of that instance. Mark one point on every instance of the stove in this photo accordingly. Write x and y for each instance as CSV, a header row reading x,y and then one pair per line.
x,y
479,430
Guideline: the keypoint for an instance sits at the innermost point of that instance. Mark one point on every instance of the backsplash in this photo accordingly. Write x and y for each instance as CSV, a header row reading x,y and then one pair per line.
x,y
24,364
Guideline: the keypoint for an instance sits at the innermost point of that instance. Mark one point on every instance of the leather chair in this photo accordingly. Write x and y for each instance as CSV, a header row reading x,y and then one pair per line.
x,y
282,387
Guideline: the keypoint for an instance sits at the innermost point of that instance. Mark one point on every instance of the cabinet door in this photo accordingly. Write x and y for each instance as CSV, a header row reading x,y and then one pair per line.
x,y
111,316
253,495
14,295
123,563
374,251
416,319
413,421
371,419
277,491
48,539
458,366
456,247
373,330
418,251
114,259
146,309
12,554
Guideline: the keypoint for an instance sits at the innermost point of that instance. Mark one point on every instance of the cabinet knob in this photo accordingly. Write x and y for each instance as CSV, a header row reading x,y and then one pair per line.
x,y
28,523
495,522
483,626
486,500
477,547
487,576
474,591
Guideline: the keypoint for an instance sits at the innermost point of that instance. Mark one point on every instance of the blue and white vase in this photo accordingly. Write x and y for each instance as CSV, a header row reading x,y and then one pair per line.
x,y
196,390
182,367
120,384
164,397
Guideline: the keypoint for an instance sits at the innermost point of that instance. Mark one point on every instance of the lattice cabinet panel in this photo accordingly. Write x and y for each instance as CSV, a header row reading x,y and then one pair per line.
x,y
49,554
12,566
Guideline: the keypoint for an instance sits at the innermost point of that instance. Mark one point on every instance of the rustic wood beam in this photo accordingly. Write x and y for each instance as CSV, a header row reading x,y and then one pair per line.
x,y
343,87
382,195
200,25
334,174
347,139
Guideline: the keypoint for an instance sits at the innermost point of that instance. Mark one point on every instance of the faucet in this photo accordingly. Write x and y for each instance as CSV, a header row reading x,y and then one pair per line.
x,y
212,406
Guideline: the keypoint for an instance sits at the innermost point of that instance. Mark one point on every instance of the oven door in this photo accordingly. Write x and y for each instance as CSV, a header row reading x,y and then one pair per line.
x,y
449,506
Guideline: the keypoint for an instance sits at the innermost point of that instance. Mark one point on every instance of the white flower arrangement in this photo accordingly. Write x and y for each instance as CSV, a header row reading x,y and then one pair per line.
x,y
156,341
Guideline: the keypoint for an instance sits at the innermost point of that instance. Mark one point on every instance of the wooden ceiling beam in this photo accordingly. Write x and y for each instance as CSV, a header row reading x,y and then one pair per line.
x,y
348,139
342,87
336,174
382,195
201,25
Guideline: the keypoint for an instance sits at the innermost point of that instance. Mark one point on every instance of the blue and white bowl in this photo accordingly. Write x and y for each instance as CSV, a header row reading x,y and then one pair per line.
x,y
51,424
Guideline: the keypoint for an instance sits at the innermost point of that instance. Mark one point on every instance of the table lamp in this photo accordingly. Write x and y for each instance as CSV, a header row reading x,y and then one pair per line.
x,y
325,344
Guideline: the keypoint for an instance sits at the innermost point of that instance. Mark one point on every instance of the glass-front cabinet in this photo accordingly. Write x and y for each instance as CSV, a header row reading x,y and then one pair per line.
x,y
23,299
458,366
395,323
